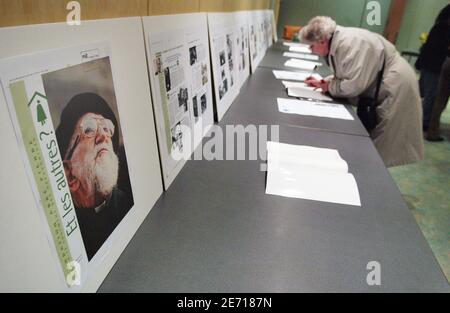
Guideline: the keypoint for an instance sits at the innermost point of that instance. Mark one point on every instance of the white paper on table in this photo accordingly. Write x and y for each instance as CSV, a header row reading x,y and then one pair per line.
x,y
300,76
308,94
313,184
300,49
308,156
298,61
295,44
311,57
296,179
299,85
312,108
302,64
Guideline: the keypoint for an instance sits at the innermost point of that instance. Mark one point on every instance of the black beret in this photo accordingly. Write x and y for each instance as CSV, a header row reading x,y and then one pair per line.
x,y
78,106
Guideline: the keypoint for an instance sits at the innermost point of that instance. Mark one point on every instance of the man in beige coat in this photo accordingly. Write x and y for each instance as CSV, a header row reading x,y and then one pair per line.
x,y
357,56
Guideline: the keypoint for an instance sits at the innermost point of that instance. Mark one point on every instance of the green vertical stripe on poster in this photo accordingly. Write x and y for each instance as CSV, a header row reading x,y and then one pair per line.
x,y
35,158
165,106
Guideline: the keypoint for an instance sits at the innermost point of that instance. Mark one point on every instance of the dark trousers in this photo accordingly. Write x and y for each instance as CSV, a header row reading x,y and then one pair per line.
x,y
442,96
428,88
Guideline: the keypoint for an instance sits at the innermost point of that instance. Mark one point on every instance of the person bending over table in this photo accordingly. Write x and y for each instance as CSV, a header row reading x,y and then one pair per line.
x,y
361,61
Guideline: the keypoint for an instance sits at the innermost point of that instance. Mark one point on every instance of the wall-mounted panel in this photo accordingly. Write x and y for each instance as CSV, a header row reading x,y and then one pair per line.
x,y
180,76
224,50
242,44
89,134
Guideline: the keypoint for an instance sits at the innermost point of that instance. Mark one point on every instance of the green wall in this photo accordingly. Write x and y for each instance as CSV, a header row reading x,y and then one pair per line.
x,y
419,17
344,12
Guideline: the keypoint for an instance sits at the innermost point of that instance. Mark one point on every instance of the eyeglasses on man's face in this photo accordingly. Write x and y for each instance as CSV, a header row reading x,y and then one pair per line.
x,y
90,126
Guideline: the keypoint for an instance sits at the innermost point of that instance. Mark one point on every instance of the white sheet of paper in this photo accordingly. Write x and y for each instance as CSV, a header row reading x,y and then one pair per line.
x,y
313,184
302,64
298,85
319,109
289,176
299,61
300,49
307,156
295,44
308,94
299,76
311,57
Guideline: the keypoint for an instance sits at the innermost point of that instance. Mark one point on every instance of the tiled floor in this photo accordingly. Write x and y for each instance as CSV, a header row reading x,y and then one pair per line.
x,y
425,187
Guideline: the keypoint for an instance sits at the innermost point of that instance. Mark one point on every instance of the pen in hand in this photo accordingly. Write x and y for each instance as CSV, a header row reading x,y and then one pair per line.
x,y
310,76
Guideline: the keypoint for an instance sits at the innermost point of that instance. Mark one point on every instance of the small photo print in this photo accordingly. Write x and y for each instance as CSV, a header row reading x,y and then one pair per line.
x,y
222,58
195,106
177,137
183,98
223,88
230,52
193,55
167,79
203,103
204,71
83,107
158,66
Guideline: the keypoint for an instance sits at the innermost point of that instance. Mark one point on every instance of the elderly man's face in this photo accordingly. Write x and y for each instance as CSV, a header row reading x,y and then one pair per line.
x,y
320,47
93,163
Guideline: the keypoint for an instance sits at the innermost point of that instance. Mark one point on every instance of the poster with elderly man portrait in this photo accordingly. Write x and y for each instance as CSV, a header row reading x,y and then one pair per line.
x,y
64,111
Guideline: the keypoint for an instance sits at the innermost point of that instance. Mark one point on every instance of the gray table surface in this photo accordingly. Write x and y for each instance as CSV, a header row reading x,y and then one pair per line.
x,y
215,230
274,59
257,104
279,46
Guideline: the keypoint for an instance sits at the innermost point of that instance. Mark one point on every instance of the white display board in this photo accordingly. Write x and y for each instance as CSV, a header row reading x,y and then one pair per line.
x,y
258,37
224,59
269,27
242,43
274,25
180,76
85,92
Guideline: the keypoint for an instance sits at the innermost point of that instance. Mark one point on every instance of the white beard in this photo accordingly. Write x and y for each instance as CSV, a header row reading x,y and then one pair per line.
x,y
98,177
106,171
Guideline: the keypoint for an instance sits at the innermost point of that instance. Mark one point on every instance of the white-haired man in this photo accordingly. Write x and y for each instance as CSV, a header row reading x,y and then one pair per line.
x,y
361,60
89,142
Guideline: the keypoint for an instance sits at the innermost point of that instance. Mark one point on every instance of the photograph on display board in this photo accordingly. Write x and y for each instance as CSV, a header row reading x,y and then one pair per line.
x,y
178,53
223,82
83,107
174,95
242,43
193,55
199,76
204,73
223,38
253,42
260,31
242,46
64,110
230,54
